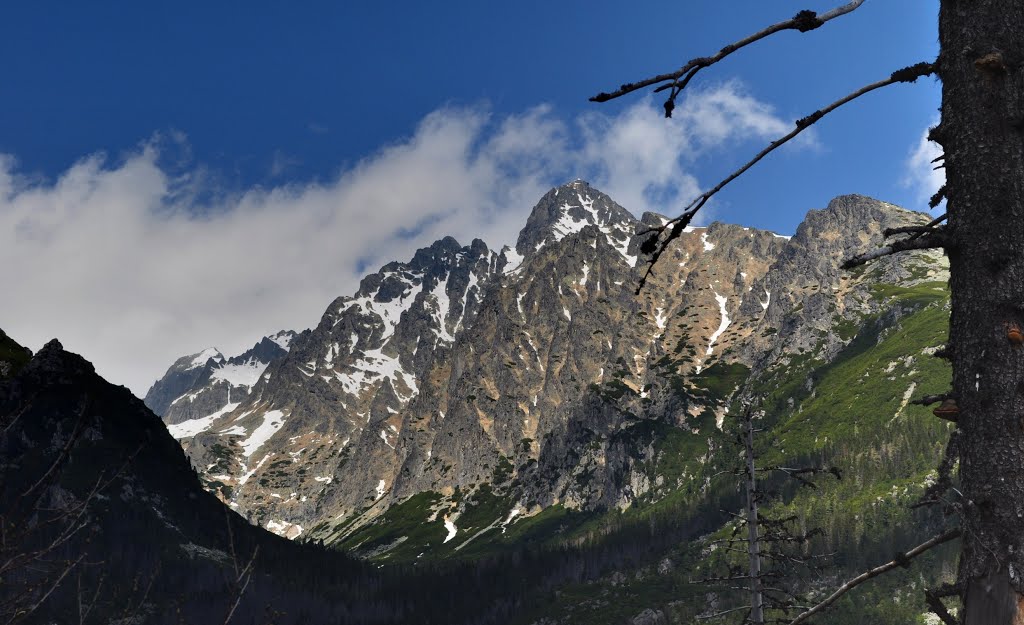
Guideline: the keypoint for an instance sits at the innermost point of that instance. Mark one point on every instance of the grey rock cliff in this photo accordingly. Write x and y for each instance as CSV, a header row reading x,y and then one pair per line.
x,y
202,384
538,372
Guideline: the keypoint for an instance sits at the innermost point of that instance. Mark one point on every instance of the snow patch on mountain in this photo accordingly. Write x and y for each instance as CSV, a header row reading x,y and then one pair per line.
x,y
722,300
202,357
390,313
273,420
240,374
449,525
290,531
192,427
283,339
661,318
440,295
376,364
513,259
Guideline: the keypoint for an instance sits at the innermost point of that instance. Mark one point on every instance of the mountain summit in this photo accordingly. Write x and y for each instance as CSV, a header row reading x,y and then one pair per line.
x,y
493,387
568,209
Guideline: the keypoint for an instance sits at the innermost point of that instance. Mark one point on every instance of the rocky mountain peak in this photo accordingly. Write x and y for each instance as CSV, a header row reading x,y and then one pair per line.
x,y
56,365
198,384
849,222
567,210
851,214
465,366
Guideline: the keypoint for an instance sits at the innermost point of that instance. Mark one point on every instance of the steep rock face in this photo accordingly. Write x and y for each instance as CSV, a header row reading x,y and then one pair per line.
x,y
567,210
537,374
806,291
342,385
180,377
207,385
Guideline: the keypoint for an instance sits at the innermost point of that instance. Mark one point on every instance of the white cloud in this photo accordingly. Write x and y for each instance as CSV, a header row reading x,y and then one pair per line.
x,y
727,113
921,175
132,265
644,161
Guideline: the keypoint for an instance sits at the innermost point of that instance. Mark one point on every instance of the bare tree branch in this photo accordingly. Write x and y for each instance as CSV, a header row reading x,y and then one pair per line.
x,y
246,573
927,242
53,587
919,230
929,227
900,560
934,600
656,247
928,400
62,456
803,21
704,617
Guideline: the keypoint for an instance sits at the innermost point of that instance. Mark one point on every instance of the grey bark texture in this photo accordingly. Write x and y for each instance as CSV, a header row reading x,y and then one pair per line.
x,y
982,43
754,540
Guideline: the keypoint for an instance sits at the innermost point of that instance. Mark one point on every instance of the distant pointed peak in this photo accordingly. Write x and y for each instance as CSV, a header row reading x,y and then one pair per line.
x,y
53,344
568,209
283,338
200,359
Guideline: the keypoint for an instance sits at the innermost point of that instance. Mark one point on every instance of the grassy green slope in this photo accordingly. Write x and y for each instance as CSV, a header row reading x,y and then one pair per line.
x,y
853,416
852,413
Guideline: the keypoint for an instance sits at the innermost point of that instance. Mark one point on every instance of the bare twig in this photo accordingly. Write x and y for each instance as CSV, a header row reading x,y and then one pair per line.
x,y
76,432
803,21
926,242
900,560
919,230
53,587
704,617
934,600
656,247
928,400
931,224
83,611
247,575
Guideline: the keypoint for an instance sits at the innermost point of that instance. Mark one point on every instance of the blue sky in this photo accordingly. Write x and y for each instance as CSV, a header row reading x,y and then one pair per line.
x,y
187,136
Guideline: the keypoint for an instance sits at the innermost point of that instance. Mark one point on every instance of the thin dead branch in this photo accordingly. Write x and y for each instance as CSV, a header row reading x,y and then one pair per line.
x,y
901,559
931,241
803,21
244,577
656,246
934,600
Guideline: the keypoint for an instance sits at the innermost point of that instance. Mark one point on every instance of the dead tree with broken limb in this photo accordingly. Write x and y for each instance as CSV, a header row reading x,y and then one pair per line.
x,y
776,548
982,136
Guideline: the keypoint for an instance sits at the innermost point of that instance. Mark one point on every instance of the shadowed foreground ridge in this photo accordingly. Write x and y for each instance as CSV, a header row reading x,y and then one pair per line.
x,y
104,519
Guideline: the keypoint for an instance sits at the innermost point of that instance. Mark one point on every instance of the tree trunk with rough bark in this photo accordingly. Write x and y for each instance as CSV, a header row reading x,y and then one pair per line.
x,y
982,133
753,530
